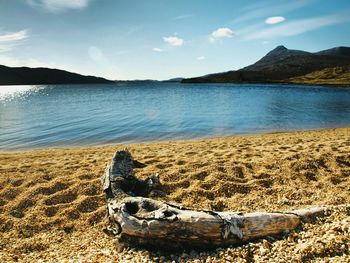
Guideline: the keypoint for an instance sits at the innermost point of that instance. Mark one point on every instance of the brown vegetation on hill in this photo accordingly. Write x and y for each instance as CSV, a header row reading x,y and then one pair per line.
x,y
329,76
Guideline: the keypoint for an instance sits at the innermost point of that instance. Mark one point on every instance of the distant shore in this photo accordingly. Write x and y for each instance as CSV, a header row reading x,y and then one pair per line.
x,y
52,207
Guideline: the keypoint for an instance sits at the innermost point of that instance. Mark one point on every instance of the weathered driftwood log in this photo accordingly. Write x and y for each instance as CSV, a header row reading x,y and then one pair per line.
x,y
138,220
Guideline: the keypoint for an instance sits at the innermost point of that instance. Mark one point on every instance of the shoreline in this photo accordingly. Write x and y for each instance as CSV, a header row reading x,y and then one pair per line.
x,y
321,85
193,140
52,207
118,83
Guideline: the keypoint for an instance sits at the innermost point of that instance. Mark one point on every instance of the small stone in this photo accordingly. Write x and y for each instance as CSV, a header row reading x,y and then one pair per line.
x,y
193,253
184,255
263,251
266,244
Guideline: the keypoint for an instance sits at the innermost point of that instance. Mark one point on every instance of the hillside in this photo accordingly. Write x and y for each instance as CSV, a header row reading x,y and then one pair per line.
x,y
281,64
35,76
328,76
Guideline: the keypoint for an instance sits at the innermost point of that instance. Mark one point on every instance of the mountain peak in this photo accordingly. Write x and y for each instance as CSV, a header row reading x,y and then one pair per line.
x,y
277,51
280,48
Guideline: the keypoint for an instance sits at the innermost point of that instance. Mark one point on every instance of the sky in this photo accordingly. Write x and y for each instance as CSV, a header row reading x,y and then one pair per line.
x,y
163,39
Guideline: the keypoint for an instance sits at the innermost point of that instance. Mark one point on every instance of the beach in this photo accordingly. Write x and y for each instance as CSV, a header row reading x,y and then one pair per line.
x,y
52,207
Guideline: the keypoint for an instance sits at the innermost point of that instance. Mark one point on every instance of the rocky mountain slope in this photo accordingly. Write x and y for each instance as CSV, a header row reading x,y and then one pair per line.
x,y
281,64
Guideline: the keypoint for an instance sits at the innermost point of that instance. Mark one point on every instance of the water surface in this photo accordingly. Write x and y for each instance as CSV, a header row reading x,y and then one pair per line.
x,y
75,115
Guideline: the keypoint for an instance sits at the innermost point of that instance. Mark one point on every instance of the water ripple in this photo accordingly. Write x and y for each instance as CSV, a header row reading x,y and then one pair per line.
x,y
70,115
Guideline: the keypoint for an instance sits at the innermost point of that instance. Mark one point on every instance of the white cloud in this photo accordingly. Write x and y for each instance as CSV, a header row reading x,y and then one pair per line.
x,y
174,41
266,8
201,58
15,36
274,20
7,42
223,32
180,17
57,6
297,27
156,49
11,39
12,61
5,48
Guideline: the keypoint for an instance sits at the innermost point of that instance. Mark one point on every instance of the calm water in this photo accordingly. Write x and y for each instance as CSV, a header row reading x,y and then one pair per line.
x,y
72,115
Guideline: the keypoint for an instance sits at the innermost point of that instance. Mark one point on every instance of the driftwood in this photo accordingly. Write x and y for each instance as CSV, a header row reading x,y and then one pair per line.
x,y
137,220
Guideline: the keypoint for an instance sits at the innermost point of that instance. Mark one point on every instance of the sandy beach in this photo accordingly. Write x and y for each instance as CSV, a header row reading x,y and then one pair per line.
x,y
52,207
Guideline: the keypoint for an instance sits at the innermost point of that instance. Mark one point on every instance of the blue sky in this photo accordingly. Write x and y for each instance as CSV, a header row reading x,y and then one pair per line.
x,y
162,39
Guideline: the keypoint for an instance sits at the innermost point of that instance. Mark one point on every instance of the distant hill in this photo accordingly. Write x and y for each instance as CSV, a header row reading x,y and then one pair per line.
x,y
36,76
281,64
136,81
173,80
329,76
337,51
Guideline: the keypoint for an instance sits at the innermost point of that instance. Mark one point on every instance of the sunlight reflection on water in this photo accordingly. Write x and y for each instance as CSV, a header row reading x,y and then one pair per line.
x,y
8,93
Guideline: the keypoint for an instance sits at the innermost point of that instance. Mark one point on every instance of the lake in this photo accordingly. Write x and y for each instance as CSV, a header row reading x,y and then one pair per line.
x,y
76,115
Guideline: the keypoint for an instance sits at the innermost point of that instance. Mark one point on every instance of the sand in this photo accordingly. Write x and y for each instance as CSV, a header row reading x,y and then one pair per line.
x,y
52,207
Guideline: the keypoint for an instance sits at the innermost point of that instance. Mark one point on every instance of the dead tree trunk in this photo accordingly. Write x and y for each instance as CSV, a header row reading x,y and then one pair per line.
x,y
138,220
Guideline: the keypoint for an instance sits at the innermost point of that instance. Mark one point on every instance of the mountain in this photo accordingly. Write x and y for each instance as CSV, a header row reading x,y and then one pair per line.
x,y
337,51
173,80
281,64
36,76
329,76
